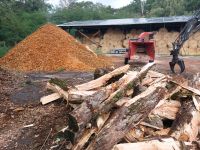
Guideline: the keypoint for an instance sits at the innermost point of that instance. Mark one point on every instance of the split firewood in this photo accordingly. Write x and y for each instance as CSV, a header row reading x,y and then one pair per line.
x,y
155,74
152,77
50,98
196,100
134,134
186,125
71,95
128,85
123,119
191,89
94,84
168,109
159,144
81,89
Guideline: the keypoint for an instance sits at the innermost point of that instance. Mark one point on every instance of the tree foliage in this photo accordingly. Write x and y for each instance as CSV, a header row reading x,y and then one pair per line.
x,y
18,18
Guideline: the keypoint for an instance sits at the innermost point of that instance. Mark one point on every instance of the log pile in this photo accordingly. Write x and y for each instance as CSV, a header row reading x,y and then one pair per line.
x,y
127,109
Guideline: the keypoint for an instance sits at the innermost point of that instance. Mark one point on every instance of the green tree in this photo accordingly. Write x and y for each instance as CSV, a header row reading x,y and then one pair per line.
x,y
19,18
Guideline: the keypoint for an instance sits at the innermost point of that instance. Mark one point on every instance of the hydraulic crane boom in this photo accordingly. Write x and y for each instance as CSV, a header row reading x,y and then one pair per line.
x,y
191,27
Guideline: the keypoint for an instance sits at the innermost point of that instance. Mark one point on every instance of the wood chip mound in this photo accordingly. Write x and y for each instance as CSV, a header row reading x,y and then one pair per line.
x,y
51,49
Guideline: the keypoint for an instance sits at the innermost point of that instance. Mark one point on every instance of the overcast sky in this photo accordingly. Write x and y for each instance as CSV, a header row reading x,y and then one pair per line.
x,y
112,3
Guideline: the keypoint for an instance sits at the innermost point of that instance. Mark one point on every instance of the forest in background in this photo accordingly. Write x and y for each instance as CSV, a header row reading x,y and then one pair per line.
x,y
19,18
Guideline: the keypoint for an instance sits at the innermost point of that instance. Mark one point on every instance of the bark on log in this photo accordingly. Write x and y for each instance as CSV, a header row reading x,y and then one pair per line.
x,y
58,90
88,132
153,122
94,84
185,127
125,117
160,144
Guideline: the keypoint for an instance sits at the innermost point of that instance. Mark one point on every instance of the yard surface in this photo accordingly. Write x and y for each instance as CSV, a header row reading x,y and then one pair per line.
x,y
20,94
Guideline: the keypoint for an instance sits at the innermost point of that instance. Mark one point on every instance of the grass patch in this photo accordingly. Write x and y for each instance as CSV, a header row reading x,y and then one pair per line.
x,y
3,51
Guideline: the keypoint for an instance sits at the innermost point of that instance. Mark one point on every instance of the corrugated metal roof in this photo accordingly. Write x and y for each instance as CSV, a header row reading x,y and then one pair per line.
x,y
127,21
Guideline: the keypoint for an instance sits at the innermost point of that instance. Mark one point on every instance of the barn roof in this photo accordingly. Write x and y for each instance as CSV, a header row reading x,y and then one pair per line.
x,y
127,21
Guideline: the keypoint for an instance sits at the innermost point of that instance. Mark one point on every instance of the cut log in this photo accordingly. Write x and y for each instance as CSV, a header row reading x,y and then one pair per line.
x,y
186,125
50,98
126,117
134,134
72,95
58,90
193,90
160,144
154,74
94,84
88,132
168,109
79,96
152,77
128,85
196,101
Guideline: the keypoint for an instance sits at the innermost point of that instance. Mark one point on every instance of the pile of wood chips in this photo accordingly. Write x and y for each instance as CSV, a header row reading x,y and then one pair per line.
x,y
137,110
51,49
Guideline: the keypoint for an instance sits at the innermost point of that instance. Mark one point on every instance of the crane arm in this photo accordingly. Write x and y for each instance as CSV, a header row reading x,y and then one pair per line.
x,y
191,27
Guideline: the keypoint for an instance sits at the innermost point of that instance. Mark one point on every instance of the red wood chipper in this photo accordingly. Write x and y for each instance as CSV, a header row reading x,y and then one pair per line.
x,y
144,44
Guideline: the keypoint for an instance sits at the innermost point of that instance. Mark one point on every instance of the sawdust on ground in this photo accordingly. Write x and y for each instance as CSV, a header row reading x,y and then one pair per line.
x,y
51,49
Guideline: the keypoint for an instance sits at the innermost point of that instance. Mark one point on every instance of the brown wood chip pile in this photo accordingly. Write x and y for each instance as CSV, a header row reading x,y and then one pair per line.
x,y
50,49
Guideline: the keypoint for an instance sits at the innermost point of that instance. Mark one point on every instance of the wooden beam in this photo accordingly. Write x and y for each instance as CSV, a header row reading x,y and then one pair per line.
x,y
90,39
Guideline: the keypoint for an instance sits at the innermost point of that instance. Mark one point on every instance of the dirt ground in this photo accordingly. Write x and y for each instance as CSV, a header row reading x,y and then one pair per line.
x,y
27,125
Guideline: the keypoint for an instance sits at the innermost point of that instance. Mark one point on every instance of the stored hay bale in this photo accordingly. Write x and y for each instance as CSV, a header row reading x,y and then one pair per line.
x,y
112,39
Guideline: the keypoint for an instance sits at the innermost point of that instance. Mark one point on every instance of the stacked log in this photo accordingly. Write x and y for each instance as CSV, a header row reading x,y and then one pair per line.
x,y
136,107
